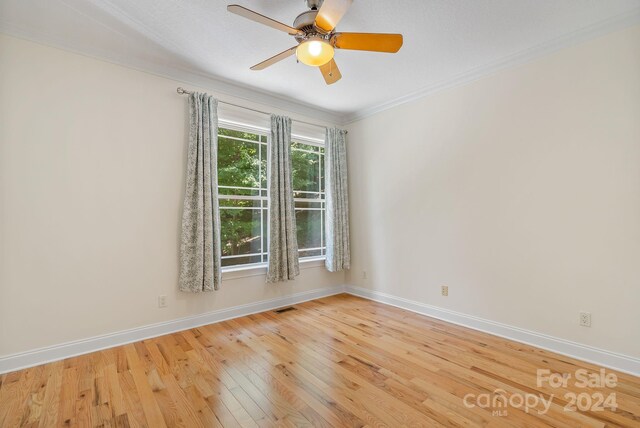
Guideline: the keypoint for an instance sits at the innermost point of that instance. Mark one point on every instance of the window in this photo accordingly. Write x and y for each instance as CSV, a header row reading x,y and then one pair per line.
x,y
243,198
308,193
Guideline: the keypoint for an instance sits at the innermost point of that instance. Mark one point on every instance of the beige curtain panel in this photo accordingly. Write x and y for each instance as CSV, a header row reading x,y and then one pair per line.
x,y
200,243
337,200
283,241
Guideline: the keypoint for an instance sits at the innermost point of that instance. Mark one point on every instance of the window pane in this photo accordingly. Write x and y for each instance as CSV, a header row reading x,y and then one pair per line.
x,y
307,162
322,161
238,163
265,233
263,169
306,168
234,191
309,229
306,195
242,171
310,253
308,204
238,134
239,203
240,231
245,260
308,147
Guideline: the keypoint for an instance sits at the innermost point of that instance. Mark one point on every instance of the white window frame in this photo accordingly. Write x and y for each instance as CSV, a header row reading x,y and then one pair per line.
x,y
321,200
257,269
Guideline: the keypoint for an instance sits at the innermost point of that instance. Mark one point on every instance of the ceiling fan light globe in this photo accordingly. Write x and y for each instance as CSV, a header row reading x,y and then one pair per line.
x,y
315,48
314,52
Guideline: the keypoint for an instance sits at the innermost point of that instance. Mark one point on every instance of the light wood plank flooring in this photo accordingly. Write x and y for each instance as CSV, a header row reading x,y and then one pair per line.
x,y
338,361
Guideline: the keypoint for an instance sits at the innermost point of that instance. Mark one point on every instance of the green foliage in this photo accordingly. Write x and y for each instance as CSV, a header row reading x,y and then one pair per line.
x,y
307,168
239,165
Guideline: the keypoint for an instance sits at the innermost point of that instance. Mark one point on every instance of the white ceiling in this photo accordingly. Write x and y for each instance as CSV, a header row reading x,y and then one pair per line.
x,y
445,41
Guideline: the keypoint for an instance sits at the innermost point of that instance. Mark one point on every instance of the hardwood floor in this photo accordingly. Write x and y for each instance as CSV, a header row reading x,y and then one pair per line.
x,y
337,361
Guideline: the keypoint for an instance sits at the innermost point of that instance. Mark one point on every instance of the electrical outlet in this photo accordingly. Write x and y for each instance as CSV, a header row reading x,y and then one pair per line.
x,y
585,319
445,290
162,301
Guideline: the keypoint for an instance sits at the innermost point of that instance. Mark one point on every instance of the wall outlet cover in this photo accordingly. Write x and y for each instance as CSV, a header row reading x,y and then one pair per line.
x,y
162,301
585,319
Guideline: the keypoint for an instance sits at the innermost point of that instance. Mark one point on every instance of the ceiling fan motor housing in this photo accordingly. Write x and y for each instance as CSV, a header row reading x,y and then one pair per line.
x,y
304,21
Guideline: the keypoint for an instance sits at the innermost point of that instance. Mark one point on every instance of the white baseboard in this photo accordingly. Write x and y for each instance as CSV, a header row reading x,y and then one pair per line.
x,y
575,350
71,349
579,351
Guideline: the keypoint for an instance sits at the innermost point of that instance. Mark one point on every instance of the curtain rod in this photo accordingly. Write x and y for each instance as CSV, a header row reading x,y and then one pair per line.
x,y
183,91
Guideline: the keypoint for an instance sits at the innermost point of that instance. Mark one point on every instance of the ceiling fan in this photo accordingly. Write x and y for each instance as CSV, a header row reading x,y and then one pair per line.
x,y
314,30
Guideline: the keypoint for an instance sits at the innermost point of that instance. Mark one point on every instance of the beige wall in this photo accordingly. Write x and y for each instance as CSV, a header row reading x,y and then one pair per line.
x,y
521,191
92,159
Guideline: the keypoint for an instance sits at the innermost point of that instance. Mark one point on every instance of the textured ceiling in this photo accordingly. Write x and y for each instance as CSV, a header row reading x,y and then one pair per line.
x,y
443,40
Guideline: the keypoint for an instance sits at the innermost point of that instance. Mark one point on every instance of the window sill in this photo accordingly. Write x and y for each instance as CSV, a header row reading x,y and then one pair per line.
x,y
232,272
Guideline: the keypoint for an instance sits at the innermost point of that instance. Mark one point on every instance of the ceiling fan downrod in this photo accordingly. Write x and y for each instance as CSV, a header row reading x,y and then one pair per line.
x,y
314,4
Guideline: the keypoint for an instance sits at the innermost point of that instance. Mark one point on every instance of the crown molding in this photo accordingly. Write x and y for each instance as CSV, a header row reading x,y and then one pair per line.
x,y
584,34
181,75
255,95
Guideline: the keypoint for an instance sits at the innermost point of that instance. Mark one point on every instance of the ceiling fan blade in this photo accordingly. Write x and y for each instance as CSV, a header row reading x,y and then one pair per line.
x,y
279,57
255,16
376,42
330,13
330,72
